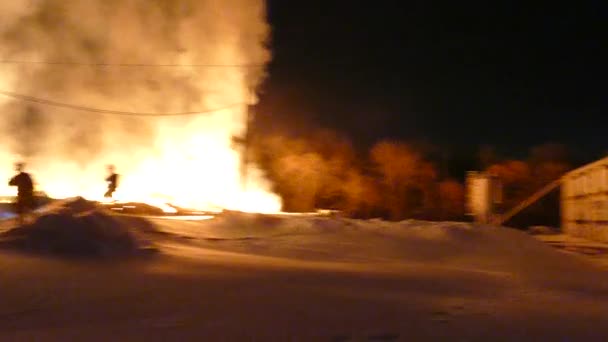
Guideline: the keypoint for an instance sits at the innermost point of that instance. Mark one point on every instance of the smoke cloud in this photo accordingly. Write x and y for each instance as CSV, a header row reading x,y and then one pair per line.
x,y
87,45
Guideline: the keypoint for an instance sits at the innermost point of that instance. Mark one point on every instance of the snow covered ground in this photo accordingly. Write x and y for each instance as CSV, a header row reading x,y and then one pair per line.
x,y
80,272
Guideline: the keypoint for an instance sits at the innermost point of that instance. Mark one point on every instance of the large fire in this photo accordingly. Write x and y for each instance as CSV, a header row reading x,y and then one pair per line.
x,y
196,167
193,54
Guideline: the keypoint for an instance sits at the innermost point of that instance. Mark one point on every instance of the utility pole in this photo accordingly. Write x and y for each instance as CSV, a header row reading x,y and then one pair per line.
x,y
246,151
244,141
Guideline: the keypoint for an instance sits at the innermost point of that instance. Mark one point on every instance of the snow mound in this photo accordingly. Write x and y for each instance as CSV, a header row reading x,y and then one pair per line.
x,y
78,227
455,245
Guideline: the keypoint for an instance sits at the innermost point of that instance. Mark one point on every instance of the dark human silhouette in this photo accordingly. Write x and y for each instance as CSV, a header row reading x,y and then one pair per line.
x,y
25,192
112,181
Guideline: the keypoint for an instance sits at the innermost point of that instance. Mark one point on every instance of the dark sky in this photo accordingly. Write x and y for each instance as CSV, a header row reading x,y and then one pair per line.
x,y
507,73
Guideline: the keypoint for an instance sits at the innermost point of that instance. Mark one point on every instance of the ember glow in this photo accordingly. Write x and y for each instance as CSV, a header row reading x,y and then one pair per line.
x,y
186,160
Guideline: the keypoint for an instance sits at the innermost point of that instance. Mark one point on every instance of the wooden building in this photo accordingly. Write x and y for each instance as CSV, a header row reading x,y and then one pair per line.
x,y
584,201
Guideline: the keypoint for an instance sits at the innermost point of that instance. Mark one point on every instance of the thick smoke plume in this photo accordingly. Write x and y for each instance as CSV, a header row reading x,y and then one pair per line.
x,y
75,52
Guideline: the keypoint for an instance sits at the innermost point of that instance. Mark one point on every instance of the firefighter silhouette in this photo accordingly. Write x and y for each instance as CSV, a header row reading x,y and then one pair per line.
x,y
112,181
25,191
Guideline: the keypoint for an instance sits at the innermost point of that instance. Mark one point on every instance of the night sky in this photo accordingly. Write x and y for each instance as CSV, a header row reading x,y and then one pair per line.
x,y
512,74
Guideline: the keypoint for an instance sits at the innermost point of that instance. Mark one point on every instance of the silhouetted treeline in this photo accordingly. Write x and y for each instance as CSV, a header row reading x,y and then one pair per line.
x,y
393,180
396,180
522,178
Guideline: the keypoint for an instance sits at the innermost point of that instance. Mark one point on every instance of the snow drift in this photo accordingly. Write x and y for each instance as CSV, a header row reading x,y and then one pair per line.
x,y
77,227
499,252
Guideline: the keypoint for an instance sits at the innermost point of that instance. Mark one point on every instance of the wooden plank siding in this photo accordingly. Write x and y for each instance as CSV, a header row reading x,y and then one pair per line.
x,y
584,201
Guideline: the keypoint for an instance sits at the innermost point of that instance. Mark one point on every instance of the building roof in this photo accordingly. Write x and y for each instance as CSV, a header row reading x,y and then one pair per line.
x,y
585,168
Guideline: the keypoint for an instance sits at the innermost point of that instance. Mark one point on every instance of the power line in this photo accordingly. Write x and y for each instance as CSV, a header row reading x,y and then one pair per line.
x,y
33,99
167,65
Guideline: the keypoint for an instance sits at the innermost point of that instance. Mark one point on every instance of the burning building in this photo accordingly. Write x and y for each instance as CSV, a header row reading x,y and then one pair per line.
x,y
157,88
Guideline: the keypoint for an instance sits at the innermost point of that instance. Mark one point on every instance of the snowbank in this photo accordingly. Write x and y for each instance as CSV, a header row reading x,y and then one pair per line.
x,y
77,227
410,243
292,278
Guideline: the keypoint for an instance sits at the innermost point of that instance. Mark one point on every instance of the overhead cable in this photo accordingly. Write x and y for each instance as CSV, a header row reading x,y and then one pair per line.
x,y
171,65
38,100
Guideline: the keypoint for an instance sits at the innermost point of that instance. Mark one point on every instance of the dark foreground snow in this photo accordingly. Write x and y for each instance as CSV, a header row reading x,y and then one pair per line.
x,y
288,277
